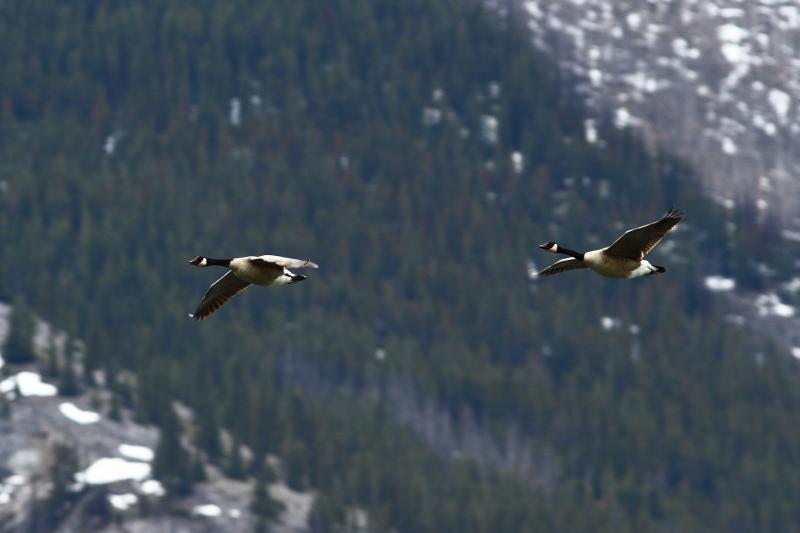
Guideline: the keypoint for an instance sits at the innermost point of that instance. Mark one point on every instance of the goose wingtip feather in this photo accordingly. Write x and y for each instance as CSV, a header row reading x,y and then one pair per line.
x,y
675,212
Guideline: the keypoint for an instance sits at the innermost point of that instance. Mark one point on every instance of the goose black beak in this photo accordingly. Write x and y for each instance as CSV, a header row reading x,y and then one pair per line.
x,y
298,277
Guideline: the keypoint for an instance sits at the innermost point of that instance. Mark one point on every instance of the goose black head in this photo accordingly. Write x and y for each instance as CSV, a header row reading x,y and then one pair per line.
x,y
549,246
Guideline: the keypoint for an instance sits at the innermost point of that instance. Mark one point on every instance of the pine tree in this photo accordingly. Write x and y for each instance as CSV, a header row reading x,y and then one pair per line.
x,y
264,506
62,472
70,385
198,469
114,410
51,352
172,465
297,464
19,344
235,467
208,432
5,407
326,514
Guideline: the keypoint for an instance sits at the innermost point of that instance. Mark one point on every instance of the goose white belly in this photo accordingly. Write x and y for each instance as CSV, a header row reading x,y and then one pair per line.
x,y
257,274
614,267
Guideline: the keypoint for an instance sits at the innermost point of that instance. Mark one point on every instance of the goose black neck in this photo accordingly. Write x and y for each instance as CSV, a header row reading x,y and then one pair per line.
x,y
210,261
571,253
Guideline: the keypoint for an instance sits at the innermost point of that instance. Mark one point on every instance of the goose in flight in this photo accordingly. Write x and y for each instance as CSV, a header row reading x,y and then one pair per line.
x,y
624,258
245,271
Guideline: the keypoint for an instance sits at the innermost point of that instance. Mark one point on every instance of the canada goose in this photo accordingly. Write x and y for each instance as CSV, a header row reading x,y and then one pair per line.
x,y
624,258
245,271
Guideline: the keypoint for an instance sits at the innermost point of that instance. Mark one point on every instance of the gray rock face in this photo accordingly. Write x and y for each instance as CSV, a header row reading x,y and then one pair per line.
x,y
716,82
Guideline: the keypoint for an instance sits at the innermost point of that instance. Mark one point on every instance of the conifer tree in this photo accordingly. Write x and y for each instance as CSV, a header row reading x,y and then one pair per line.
x,y
235,467
114,410
197,468
51,354
5,407
62,472
172,465
19,344
264,506
70,385
208,432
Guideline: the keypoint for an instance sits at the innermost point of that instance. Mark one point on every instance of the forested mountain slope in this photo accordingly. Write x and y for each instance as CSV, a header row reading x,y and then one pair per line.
x,y
418,151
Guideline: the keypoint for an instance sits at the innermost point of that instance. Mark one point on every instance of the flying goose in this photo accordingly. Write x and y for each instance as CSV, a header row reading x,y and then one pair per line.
x,y
245,271
624,258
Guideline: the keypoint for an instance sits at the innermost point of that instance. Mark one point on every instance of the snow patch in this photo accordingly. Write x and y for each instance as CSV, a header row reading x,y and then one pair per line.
x,y
517,162
731,12
720,283
641,82
29,384
634,20
731,33
111,470
122,502
608,323
235,113
791,17
8,486
110,144
623,118
152,487
533,9
734,53
787,234
590,127
431,116
771,304
298,506
489,125
139,453
78,415
210,510
727,203
793,285
780,102
728,146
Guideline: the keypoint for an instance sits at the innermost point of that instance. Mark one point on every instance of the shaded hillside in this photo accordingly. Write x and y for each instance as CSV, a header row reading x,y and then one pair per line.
x,y
418,152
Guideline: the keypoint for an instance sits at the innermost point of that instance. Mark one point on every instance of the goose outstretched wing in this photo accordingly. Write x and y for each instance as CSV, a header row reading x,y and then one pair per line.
x,y
637,242
218,293
562,265
287,262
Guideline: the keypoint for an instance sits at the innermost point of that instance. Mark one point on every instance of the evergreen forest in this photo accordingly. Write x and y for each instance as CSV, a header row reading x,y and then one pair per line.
x,y
419,151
